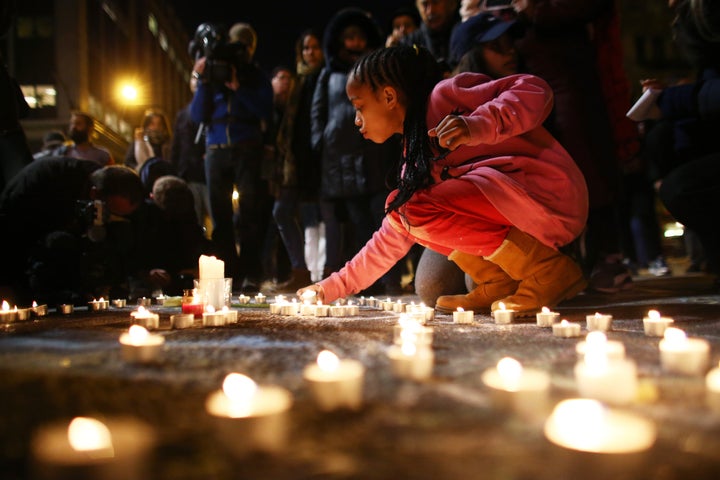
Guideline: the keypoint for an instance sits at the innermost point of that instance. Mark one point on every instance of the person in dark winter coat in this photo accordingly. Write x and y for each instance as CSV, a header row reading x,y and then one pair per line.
x,y
354,169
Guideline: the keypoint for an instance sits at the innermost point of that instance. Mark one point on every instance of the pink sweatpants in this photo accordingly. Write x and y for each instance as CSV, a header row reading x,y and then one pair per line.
x,y
453,215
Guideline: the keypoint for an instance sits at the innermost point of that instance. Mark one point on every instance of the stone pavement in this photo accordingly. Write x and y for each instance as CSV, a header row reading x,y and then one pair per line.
x,y
58,367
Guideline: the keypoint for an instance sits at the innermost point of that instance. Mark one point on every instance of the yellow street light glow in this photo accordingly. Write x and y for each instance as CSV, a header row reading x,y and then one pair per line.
x,y
129,92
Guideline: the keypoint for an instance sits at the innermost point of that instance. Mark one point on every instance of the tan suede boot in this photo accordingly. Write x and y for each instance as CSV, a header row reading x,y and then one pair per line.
x,y
547,276
492,284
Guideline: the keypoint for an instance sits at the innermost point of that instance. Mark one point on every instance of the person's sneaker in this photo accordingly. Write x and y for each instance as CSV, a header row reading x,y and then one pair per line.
x,y
658,267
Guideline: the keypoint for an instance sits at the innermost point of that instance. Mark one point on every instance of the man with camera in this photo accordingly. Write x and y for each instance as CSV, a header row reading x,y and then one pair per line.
x,y
233,102
66,225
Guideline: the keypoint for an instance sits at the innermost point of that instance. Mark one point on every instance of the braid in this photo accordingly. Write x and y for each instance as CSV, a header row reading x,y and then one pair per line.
x,y
413,72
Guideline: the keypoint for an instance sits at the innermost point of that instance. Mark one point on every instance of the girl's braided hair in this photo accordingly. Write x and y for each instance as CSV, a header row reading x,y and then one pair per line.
x,y
413,72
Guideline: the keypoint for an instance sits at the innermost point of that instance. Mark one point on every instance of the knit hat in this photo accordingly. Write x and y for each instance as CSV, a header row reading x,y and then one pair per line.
x,y
53,140
481,28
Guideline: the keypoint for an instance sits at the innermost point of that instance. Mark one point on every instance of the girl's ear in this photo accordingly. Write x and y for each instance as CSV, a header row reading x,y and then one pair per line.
x,y
390,97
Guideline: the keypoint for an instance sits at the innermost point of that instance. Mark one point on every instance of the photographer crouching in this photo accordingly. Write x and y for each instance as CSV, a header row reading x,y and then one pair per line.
x,y
233,103
66,224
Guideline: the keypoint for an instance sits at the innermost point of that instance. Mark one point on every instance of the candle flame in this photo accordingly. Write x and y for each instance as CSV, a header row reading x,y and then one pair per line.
x,y
138,334
5,305
501,305
408,348
654,315
34,304
87,434
328,361
596,339
564,322
580,422
675,335
239,388
309,294
510,371
209,309
460,309
545,310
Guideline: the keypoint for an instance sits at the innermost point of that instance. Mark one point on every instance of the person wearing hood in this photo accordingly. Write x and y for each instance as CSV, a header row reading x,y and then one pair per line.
x,y
353,169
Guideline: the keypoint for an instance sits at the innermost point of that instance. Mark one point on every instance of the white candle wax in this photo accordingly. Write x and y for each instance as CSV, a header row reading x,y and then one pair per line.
x,y
260,298
352,310
503,316
145,318
290,308
513,387
566,329
338,310
335,383
599,322
686,356
88,448
182,320
410,330
39,310
463,316
140,346
7,314
387,305
119,302
23,314
398,306
96,305
211,267
546,318
66,308
587,425
212,318
654,324
231,316
250,417
422,312
322,310
611,381
712,386
243,299
411,361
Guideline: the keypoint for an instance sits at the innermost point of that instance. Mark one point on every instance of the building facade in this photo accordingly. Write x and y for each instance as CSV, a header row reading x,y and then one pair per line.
x,y
112,59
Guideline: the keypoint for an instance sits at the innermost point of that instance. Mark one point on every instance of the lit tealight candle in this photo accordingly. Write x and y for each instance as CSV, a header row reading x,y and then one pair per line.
x,y
598,340
251,417
680,354
231,316
411,361
408,329
588,426
399,306
309,296
213,318
519,389
655,324
182,320
145,318
335,383
502,315
387,304
243,299
7,314
609,380
66,308
712,386
96,305
39,310
89,448
260,298
599,322
321,310
119,302
463,316
351,309
140,346
566,329
546,317
338,310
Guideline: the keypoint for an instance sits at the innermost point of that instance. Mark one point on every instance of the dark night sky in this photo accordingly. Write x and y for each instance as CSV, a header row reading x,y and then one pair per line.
x,y
278,24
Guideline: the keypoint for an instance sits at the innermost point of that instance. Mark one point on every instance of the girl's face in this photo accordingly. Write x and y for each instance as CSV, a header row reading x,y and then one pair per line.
x,y
379,115
500,57
312,54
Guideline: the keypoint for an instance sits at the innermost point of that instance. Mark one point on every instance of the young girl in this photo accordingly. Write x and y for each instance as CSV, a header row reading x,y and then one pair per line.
x,y
481,181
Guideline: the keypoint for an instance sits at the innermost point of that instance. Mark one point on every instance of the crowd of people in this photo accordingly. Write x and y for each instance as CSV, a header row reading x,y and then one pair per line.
x,y
483,150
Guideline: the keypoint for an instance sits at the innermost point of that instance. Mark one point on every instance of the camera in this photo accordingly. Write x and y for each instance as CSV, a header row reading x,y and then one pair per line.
x,y
92,216
210,41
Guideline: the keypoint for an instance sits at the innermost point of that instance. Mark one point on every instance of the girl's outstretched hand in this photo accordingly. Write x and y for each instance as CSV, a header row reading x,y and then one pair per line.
x,y
451,132
312,293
